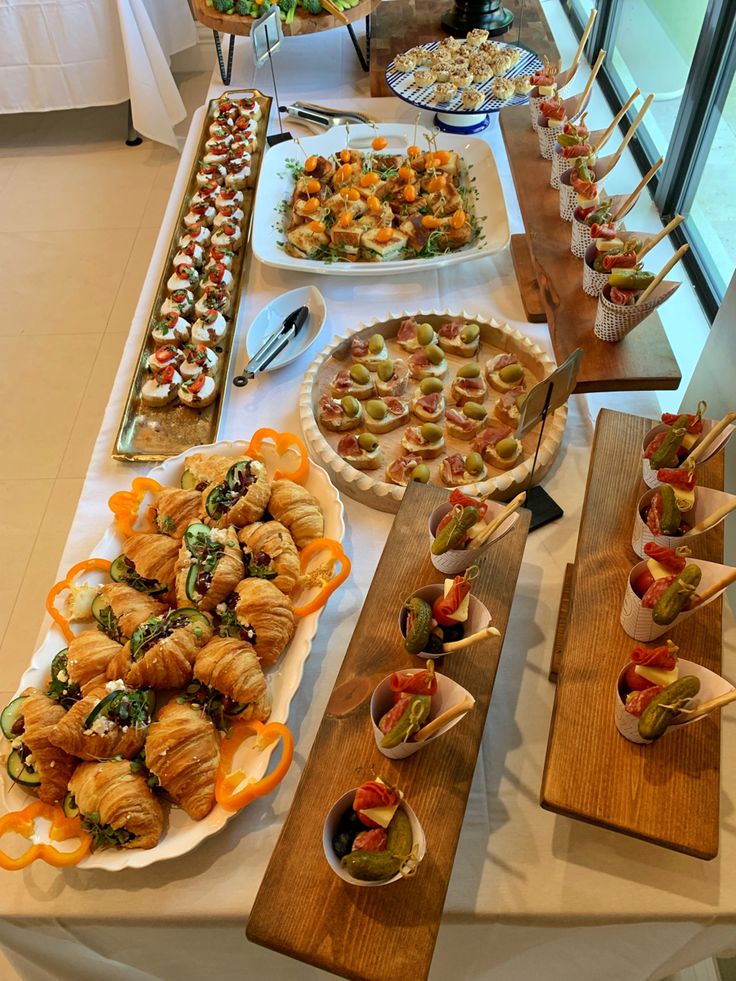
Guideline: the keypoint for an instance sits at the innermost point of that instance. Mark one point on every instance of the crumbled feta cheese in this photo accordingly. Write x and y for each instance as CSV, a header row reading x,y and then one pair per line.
x,y
62,675
221,608
117,685
17,743
100,727
29,760
219,535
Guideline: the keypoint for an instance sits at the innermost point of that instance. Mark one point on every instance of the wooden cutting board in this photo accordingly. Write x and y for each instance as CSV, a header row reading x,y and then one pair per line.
x,y
302,908
643,360
666,792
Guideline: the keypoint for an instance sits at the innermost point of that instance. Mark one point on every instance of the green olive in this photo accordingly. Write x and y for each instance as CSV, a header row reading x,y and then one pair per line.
x,y
474,411
469,370
506,448
470,332
376,344
367,442
386,370
425,334
430,385
376,409
474,463
420,473
431,433
511,373
435,354
360,374
350,405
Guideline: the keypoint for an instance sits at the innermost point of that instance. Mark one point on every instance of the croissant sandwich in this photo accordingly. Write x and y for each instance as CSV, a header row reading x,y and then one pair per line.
x,y
183,752
120,610
107,722
41,764
88,658
241,497
267,616
209,567
270,553
201,469
176,509
147,563
117,805
160,654
231,667
295,508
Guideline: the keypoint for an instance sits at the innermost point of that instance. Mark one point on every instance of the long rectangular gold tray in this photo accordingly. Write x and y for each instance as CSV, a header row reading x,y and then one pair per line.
x,y
148,433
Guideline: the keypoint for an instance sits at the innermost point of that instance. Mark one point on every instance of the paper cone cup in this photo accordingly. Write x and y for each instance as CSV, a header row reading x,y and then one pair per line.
x,y
448,693
559,165
535,101
593,281
547,137
638,621
568,197
457,560
649,476
614,322
478,617
580,237
711,686
329,830
706,502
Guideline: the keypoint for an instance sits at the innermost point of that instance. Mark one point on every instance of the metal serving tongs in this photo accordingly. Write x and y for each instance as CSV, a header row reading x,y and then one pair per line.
x,y
273,346
319,118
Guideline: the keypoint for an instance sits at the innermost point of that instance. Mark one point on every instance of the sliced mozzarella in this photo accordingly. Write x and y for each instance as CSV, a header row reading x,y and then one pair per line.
x,y
657,676
657,569
381,815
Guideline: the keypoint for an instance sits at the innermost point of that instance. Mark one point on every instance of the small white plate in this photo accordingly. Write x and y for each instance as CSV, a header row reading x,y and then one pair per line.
x,y
273,315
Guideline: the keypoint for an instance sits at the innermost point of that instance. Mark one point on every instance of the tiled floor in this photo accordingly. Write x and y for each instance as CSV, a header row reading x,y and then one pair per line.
x,y
81,212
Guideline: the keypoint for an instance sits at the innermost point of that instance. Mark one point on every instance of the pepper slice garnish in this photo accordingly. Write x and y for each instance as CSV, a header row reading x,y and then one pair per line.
x,y
88,565
282,442
226,782
62,828
338,555
125,504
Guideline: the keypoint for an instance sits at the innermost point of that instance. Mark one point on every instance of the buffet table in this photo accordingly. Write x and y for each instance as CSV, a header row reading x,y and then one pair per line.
x,y
531,892
67,54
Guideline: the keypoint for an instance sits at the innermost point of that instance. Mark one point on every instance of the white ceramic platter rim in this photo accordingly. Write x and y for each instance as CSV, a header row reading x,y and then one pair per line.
x,y
276,185
283,680
361,480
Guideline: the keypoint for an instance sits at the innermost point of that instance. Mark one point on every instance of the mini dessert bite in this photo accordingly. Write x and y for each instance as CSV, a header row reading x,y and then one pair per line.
x,y
503,89
507,408
428,362
412,335
444,91
428,403
356,381
498,447
405,63
383,415
209,329
362,452
198,392
468,385
171,329
162,388
505,372
180,302
476,37
522,84
198,358
461,78
339,415
392,378
405,468
426,441
184,277
424,76
369,352
466,422
457,337
457,470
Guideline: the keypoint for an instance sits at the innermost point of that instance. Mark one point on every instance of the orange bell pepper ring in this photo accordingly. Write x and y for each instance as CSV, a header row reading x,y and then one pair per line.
x,y
282,441
89,565
23,823
337,555
226,782
125,504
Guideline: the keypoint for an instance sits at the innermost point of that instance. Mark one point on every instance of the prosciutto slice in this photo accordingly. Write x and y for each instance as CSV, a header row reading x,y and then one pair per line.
x,y
395,406
359,347
489,437
419,359
342,380
400,469
407,329
330,409
451,329
469,386
429,403
459,420
453,466
503,361
349,445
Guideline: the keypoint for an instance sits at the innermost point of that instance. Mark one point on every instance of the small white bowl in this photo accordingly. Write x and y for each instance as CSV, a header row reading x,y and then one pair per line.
x,y
711,686
273,315
478,615
448,693
330,827
457,560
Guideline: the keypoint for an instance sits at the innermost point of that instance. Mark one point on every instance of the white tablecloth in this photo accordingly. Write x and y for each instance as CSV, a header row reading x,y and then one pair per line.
x,y
66,54
532,893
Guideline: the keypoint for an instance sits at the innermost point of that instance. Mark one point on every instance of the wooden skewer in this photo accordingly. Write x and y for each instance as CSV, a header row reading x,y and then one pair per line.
x,y
711,591
332,9
661,274
705,708
629,135
632,198
699,449
447,716
617,119
457,645
489,529
579,53
589,84
711,519
671,226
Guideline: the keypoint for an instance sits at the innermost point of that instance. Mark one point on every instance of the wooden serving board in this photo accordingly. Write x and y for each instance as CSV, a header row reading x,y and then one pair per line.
x,y
643,360
666,792
386,933
303,23
369,486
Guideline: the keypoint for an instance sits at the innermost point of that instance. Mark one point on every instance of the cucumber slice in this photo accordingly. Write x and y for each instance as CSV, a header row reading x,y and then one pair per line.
x,y
193,534
120,571
101,706
10,715
213,503
191,586
188,480
99,603
20,773
191,614
69,806
232,478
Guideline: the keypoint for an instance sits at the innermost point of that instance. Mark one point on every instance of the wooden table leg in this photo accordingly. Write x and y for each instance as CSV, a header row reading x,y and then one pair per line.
x,y
524,269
